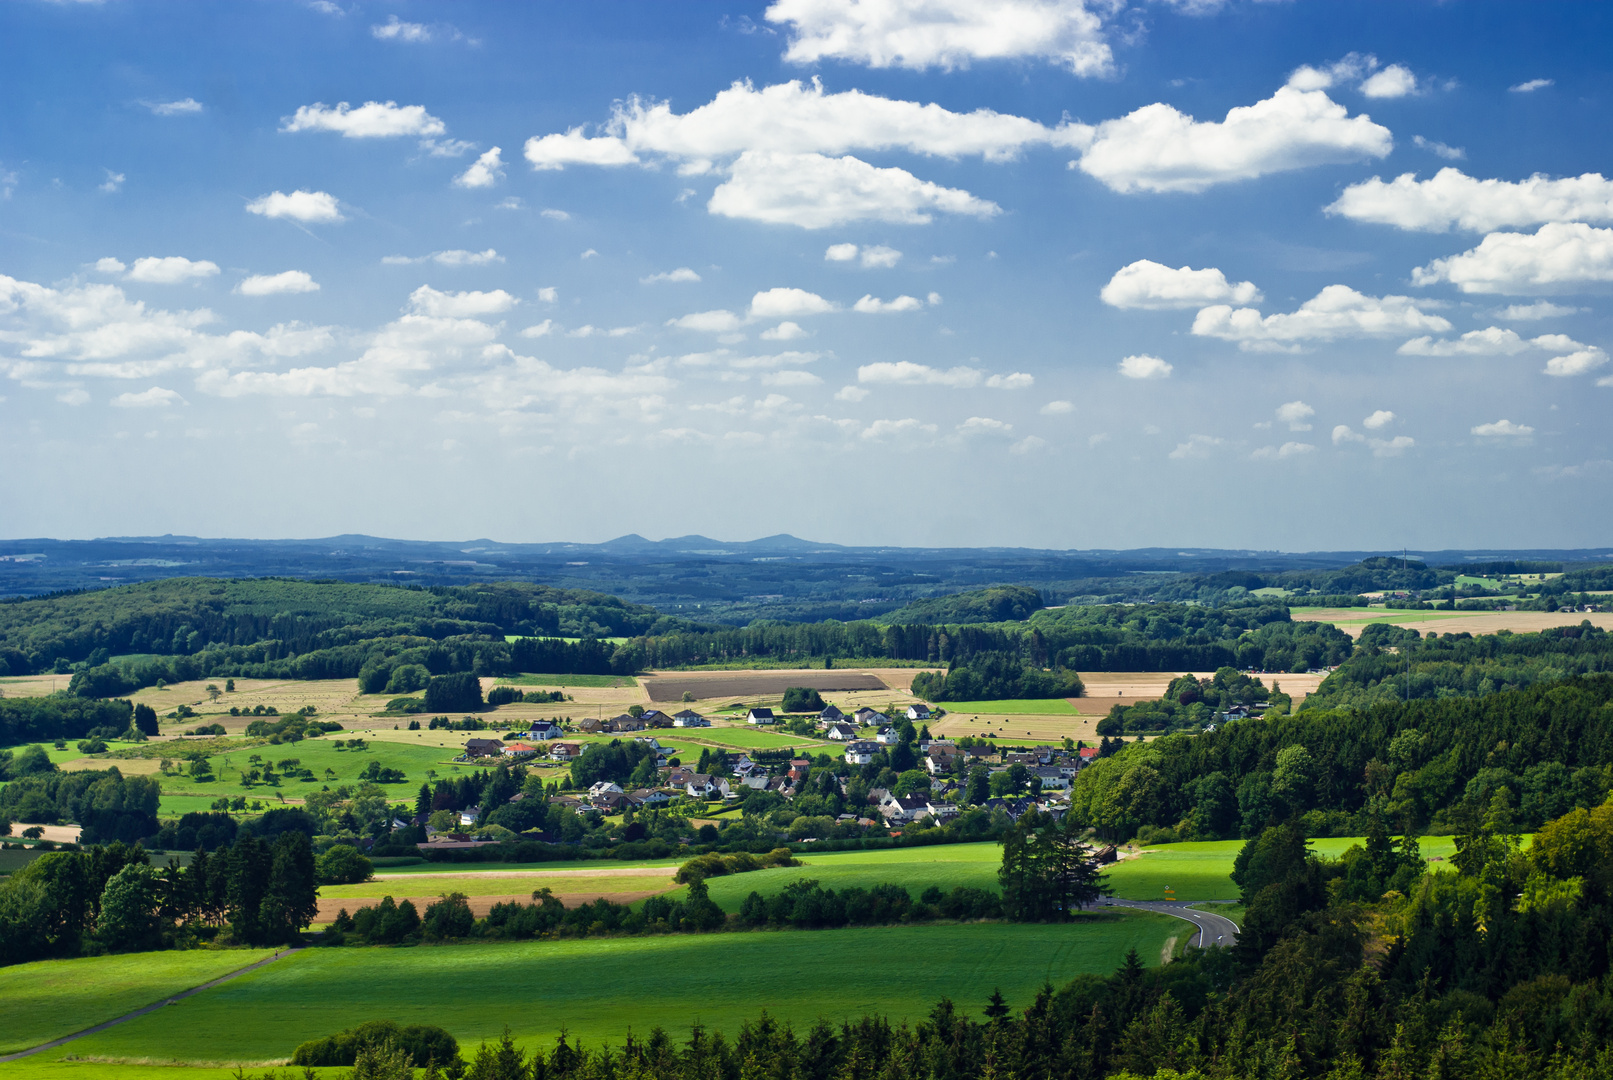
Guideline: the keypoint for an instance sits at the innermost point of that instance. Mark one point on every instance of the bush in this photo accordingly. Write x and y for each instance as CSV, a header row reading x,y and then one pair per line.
x,y
342,865
802,699
423,1043
406,705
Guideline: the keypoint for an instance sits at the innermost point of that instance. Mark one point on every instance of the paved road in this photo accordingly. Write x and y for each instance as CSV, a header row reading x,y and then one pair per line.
x,y
1212,929
125,1018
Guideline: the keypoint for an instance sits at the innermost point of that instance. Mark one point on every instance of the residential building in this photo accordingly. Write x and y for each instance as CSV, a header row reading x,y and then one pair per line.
x,y
564,751
918,711
701,786
887,736
625,723
590,726
689,718
861,751
840,732
799,768
760,716
1052,777
871,717
519,749
604,787
830,715
483,747
470,815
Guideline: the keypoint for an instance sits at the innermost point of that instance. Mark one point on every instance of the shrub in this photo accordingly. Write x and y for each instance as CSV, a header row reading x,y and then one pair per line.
x,y
342,865
423,1043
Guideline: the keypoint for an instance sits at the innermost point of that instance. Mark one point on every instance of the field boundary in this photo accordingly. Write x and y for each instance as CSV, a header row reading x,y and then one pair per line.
x,y
143,1010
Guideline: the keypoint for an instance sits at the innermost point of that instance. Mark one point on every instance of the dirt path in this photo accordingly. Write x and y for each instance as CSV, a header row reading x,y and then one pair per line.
x,y
126,1017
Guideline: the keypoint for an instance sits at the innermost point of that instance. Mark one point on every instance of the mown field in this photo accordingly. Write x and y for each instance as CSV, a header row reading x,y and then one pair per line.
x,y
1011,707
598,988
52,998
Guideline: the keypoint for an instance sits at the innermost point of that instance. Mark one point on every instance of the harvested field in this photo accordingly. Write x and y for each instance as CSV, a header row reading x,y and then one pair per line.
x,y
1353,620
479,905
739,685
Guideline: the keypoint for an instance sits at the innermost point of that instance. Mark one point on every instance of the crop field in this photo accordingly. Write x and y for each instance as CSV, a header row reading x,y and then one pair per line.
x,y
740,685
1353,620
585,986
1016,707
51,998
563,681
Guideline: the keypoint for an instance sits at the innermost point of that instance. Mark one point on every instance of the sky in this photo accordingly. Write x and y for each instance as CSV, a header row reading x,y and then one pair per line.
x,y
1048,273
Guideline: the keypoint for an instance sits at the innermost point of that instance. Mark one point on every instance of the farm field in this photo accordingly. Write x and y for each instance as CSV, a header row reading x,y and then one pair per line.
x,y
742,685
1353,620
51,998
718,980
597,682
1013,707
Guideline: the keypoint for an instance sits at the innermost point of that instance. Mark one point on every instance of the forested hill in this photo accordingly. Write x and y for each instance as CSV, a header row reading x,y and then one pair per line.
x,y
185,616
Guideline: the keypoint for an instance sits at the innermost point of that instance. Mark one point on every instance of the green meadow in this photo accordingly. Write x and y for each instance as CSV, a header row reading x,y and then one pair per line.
x,y
52,998
1012,707
595,682
598,988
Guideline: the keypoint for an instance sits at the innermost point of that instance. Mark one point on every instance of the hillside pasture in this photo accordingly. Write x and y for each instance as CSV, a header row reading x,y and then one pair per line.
x,y
718,980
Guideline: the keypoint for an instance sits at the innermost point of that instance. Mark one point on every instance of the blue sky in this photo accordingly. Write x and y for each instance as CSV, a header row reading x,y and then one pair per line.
x,y
1031,272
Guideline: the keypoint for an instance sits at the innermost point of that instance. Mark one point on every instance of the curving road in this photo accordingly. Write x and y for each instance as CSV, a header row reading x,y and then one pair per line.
x,y
1212,929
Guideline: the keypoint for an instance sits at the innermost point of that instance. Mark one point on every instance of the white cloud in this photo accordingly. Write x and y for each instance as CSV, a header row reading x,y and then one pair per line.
x,y
576,148
850,393
554,215
446,148
1027,444
542,329
548,294
1557,257
171,270
886,429
1143,366
1532,85
1154,286
1017,380
781,303
1491,341
1439,149
1541,309
784,331
947,34
1380,419
371,120
840,253
114,182
709,322
309,207
454,258
514,202
682,273
461,305
1576,363
880,257
1157,148
1351,68
589,254
485,172
1391,447
600,331
1296,414
933,299
872,305
1343,434
817,192
183,107
154,398
790,378
75,396
109,265
1503,429
1196,446
1392,82
395,30
984,425
1452,199
908,373
1057,408
287,281
1279,453
1338,311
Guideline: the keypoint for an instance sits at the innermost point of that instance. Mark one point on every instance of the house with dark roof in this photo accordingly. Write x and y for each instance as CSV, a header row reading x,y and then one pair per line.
x,y
760,716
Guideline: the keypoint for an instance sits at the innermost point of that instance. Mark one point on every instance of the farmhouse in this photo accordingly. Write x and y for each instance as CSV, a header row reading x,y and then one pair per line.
x,y
543,730
861,751
840,732
689,718
760,715
918,711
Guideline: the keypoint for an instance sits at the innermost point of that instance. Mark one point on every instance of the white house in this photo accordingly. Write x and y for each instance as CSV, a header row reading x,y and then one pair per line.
x,y
604,787
543,730
887,737
840,732
760,715
689,718
918,711
469,815
861,751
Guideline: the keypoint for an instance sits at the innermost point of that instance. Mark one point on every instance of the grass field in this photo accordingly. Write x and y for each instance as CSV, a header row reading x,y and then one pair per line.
x,y
1014,707
563,681
598,988
749,738
52,998
1204,871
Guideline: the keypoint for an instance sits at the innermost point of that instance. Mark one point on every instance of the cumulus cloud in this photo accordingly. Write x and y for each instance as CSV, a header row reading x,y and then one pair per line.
x,y
794,377
876,255
1027,444
155,398
1154,286
872,305
395,29
1196,446
1532,85
681,274
1557,257
371,120
840,253
1057,408
109,265
542,329
554,215
984,425
709,322
1017,380
114,181
946,34
1392,82
1578,362
1503,429
1540,309
460,305
548,294
1296,414
817,192
1439,149
1391,447
1381,418
850,393
1338,311
308,207
1157,148
1491,341
1143,366
170,270
287,281
453,258
576,148
784,331
908,373
486,171
1343,433
1279,453
887,429
1452,199
784,303
182,107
